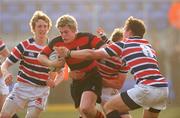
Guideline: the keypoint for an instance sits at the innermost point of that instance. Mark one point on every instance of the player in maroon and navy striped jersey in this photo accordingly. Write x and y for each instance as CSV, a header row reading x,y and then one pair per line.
x,y
151,89
112,70
86,91
33,82
4,89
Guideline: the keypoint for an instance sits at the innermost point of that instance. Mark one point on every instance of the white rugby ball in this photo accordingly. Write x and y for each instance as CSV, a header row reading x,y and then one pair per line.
x,y
54,56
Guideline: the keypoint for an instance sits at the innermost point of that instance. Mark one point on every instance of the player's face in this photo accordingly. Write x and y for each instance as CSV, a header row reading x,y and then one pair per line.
x,y
67,34
41,29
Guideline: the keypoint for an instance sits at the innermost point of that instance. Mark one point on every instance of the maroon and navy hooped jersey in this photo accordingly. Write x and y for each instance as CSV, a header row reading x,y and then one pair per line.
x,y
31,71
139,56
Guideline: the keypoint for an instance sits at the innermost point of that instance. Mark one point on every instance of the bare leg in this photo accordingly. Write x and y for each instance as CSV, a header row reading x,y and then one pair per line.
x,y
149,114
9,109
2,99
33,112
88,105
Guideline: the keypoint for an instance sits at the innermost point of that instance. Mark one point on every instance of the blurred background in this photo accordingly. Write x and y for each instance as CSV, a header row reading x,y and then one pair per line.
x,y
162,19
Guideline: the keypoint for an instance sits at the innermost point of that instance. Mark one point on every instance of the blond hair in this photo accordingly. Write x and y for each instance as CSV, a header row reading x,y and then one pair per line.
x,y
39,15
117,35
67,20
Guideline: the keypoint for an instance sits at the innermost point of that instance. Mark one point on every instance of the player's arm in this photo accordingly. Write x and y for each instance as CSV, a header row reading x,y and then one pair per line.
x,y
43,59
102,34
82,54
59,77
4,53
55,78
6,74
89,54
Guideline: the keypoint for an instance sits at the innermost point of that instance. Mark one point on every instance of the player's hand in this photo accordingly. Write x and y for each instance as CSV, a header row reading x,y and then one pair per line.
x,y
50,83
62,51
58,63
8,77
100,31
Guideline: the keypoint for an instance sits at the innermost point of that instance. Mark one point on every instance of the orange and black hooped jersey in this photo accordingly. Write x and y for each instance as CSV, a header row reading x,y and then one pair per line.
x,y
31,71
82,41
139,56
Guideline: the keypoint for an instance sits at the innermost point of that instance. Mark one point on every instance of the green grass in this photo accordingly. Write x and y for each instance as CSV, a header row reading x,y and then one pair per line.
x,y
68,111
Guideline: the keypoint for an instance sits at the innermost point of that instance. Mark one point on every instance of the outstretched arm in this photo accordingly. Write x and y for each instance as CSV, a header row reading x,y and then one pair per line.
x,y
82,54
6,74
58,63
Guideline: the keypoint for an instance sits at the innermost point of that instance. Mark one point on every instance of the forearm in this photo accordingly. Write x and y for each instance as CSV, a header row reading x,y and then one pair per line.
x,y
88,54
82,54
43,59
4,67
59,77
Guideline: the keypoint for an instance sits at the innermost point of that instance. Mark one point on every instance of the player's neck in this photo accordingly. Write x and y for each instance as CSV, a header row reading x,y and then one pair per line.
x,y
41,40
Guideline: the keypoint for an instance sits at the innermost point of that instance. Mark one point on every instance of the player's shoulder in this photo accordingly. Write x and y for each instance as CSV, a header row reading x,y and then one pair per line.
x,y
120,44
84,34
90,36
56,39
27,41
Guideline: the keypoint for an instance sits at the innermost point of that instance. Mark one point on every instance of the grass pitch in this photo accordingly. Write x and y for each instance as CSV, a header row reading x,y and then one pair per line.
x,y
68,111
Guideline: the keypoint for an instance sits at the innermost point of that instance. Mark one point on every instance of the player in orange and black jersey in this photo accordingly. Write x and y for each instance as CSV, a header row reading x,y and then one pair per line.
x,y
151,89
86,91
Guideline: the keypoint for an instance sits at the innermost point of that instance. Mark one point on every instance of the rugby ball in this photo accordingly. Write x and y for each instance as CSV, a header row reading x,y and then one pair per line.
x,y
54,56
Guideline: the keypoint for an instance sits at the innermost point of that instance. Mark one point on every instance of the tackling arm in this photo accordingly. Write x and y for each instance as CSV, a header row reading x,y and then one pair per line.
x,y
43,59
82,54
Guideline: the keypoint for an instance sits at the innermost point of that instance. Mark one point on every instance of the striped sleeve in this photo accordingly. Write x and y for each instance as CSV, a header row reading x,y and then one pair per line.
x,y
124,69
16,53
115,49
